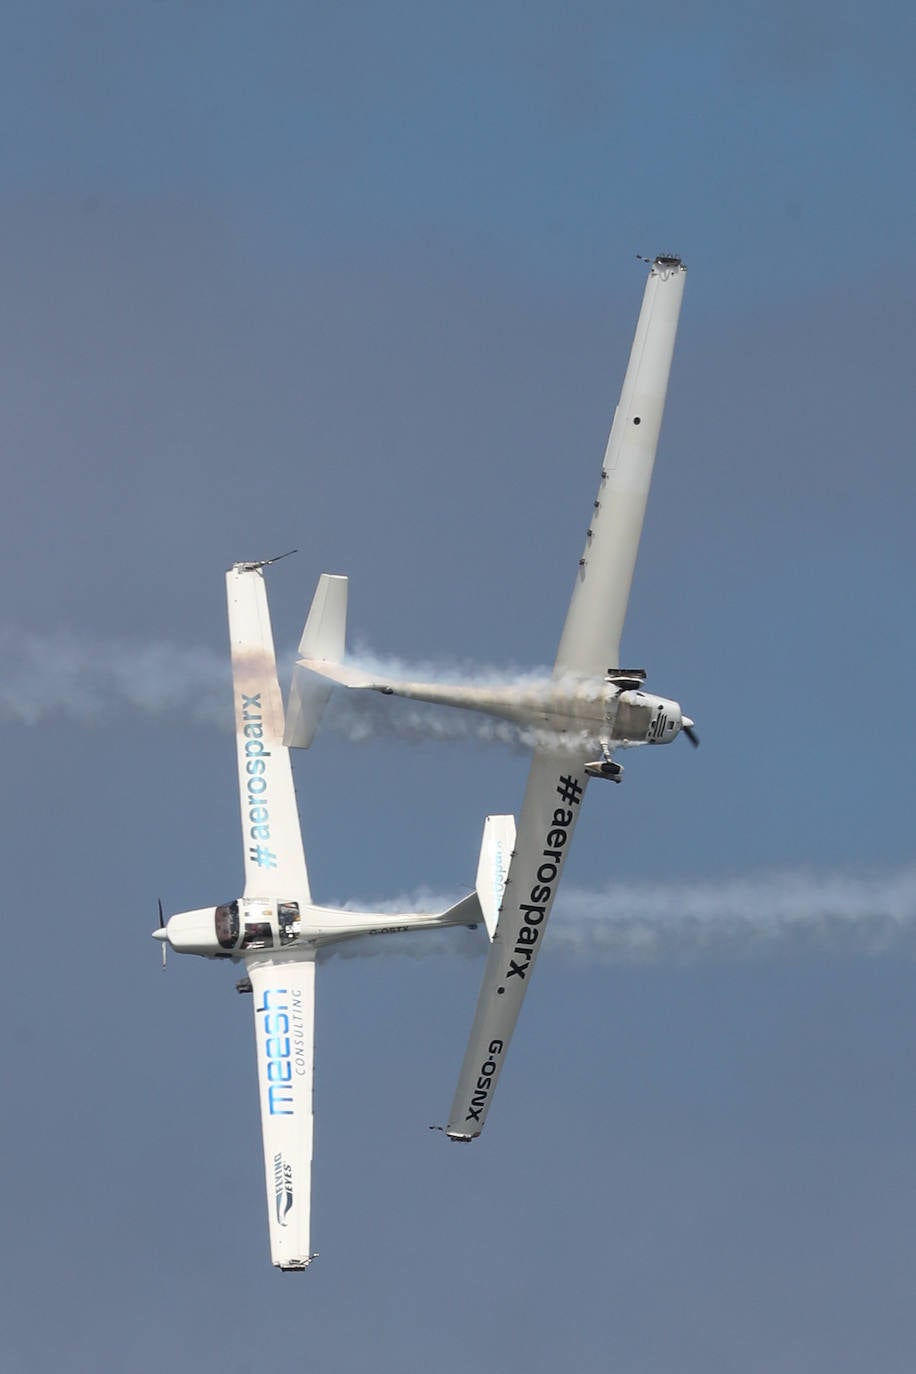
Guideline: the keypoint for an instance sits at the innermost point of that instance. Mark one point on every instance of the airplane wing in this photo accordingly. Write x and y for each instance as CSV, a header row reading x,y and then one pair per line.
x,y
284,1018
553,797
589,646
590,643
271,835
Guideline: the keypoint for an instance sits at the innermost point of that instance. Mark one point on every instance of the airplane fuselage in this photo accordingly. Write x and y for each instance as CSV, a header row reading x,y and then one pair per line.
x,y
601,711
251,924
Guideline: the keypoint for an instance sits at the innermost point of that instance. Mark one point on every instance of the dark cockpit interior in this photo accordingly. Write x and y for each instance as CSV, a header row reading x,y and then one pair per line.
x,y
258,933
227,925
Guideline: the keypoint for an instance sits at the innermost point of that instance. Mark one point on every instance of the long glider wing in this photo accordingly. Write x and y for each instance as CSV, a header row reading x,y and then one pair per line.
x,y
553,797
589,646
284,1018
271,835
590,643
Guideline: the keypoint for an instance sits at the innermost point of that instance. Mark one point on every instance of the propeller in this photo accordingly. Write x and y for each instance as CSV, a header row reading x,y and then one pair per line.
x,y
161,935
688,730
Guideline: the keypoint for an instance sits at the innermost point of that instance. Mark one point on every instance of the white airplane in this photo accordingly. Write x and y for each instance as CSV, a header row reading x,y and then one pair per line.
x,y
277,931
588,705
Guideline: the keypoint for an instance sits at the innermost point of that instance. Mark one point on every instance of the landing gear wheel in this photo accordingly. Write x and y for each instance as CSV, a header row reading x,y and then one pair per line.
x,y
605,768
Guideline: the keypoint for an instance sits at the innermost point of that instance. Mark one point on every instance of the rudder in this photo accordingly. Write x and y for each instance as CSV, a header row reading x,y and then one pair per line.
x,y
323,640
496,850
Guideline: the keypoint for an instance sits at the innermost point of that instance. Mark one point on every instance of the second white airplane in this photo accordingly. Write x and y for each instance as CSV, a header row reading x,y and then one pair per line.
x,y
275,929
588,709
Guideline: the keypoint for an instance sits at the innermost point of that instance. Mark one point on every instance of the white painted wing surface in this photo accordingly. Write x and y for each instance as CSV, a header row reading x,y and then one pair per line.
x,y
553,797
271,835
283,994
590,642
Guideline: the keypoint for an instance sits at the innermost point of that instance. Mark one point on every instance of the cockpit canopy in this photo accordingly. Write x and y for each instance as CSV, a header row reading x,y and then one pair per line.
x,y
227,925
256,923
230,930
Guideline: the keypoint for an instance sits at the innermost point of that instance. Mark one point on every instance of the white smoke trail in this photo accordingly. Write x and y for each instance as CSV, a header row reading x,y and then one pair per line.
x,y
758,915
463,672
362,715
761,915
460,941
769,915
84,679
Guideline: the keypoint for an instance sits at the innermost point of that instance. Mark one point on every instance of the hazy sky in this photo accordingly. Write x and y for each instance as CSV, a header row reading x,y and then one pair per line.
x,y
362,280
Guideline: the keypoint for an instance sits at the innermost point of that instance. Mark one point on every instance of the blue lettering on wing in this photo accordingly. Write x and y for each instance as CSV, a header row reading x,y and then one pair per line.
x,y
277,1051
256,793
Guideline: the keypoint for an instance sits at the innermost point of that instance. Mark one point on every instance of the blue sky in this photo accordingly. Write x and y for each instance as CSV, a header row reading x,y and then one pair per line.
x,y
362,280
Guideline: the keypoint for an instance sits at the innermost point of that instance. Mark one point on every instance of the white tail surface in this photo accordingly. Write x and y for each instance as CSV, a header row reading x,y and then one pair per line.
x,y
325,633
323,642
493,867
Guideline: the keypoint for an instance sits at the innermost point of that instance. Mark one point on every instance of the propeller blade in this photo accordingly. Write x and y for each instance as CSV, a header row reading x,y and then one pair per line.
x,y
692,735
163,938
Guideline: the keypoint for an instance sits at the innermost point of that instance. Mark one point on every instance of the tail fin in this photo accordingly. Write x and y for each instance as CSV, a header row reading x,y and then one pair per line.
x,y
493,868
323,640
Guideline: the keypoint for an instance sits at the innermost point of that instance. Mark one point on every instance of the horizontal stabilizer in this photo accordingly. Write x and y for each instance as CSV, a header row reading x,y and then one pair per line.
x,y
343,673
467,912
493,868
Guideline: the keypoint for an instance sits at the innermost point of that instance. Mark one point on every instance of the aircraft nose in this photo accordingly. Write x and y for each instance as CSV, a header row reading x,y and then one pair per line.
x,y
160,934
686,723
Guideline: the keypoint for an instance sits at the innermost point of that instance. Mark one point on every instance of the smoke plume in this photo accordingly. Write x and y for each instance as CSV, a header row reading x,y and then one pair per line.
x,y
86,679
362,715
759,916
